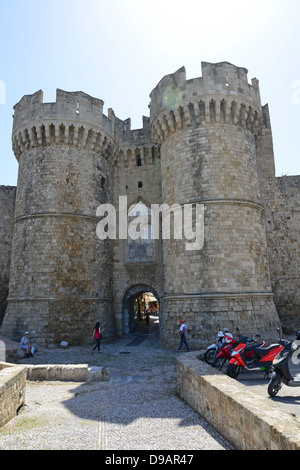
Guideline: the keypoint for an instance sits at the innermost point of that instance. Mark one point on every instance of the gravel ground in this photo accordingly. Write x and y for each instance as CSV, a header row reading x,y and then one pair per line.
x,y
137,409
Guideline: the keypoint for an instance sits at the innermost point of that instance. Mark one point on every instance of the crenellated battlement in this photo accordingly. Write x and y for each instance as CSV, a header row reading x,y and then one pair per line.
x,y
69,106
75,119
221,95
57,132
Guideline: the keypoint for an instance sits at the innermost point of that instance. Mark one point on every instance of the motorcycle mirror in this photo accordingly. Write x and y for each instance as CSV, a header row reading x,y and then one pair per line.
x,y
278,331
294,346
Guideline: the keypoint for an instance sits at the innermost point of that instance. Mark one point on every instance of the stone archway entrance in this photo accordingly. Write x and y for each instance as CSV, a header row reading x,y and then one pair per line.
x,y
129,302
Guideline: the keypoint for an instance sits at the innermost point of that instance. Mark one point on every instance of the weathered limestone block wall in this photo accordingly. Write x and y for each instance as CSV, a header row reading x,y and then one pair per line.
x,y
137,265
66,372
12,390
61,272
248,420
281,200
283,234
7,204
208,128
205,315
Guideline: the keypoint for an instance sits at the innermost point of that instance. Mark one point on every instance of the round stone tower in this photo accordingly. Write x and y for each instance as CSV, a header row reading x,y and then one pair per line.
x,y
207,128
60,280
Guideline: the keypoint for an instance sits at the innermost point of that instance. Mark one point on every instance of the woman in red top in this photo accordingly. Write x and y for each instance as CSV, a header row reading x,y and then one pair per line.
x,y
97,336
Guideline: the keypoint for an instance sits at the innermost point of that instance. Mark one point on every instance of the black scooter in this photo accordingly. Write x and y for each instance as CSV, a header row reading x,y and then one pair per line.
x,y
281,372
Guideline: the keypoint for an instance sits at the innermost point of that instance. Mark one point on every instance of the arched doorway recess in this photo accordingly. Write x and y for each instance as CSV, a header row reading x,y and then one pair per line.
x,y
129,301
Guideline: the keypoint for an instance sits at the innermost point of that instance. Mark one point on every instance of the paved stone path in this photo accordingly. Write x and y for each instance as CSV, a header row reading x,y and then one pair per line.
x,y
137,409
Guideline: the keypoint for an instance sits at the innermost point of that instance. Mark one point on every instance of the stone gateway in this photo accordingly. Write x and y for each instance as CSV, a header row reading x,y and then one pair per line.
x,y
208,144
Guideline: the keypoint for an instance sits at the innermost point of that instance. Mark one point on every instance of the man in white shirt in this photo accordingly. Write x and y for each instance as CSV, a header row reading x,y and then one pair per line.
x,y
182,330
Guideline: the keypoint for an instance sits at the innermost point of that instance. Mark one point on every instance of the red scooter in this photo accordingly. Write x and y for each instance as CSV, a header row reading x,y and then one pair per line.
x,y
260,359
225,353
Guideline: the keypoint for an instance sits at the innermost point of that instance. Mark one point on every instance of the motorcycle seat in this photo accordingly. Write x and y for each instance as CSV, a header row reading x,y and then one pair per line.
x,y
254,346
263,351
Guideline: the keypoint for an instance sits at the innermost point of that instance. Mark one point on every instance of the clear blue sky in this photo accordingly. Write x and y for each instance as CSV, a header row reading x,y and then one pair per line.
x,y
118,50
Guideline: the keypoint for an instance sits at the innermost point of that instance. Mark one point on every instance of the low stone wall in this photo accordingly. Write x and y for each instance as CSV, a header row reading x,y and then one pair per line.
x,y
8,350
247,419
66,372
12,390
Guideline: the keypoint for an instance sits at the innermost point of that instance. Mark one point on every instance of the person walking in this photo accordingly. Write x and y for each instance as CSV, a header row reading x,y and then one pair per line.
x,y
182,331
147,318
97,335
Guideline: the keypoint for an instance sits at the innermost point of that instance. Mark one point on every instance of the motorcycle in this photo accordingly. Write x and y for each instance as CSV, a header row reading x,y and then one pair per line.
x,y
260,359
215,347
225,353
281,372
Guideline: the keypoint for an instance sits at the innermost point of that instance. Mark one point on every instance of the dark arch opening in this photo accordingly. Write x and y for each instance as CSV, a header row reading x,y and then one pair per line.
x,y
137,301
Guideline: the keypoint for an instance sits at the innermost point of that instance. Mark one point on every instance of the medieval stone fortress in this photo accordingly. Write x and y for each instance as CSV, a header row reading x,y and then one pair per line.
x,y
207,142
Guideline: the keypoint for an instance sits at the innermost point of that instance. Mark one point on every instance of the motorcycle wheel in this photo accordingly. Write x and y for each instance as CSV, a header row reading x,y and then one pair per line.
x,y
274,386
210,356
219,362
233,370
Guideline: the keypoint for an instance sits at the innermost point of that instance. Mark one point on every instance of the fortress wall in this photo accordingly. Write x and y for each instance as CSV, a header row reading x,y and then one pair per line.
x,y
7,204
137,175
281,200
234,254
283,222
208,129
61,273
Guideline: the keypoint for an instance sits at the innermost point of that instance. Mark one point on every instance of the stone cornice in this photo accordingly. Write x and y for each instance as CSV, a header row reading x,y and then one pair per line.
x,y
57,132
216,109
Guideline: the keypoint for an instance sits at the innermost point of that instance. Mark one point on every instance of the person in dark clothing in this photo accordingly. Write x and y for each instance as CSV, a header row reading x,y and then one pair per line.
x,y
97,335
182,331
